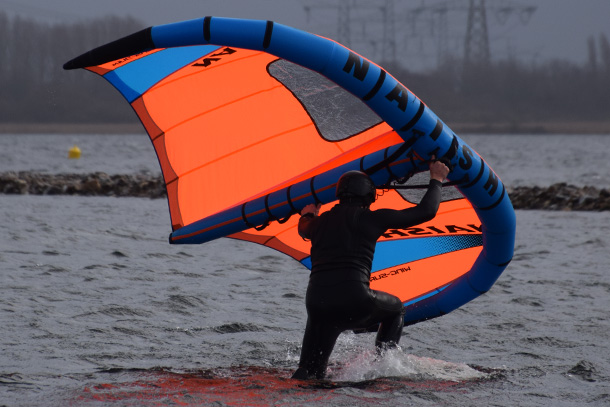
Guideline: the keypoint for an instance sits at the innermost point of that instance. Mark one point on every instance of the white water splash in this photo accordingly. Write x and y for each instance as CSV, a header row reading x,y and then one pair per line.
x,y
395,363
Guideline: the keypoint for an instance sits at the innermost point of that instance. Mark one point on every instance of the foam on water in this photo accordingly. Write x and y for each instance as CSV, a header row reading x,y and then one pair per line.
x,y
368,365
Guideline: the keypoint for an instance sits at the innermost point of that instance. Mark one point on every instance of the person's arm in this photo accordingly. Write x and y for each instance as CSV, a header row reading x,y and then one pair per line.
x,y
307,215
424,211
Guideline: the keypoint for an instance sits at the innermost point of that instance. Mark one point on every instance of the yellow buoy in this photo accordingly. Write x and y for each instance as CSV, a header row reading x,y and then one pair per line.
x,y
74,152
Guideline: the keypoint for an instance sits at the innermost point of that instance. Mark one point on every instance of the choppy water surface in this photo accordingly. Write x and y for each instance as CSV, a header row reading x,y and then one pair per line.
x,y
97,309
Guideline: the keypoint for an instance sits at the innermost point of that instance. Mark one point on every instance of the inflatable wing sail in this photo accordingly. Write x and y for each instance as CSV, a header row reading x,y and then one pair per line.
x,y
253,120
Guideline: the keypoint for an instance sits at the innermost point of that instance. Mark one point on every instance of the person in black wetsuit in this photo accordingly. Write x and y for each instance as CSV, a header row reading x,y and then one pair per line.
x,y
343,244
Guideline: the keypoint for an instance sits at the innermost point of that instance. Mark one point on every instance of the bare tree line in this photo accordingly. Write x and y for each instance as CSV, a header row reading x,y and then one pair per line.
x,y
511,91
35,89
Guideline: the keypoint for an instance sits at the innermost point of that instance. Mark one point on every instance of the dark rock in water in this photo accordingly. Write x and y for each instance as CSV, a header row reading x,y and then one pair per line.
x,y
92,186
559,196
10,183
235,328
585,370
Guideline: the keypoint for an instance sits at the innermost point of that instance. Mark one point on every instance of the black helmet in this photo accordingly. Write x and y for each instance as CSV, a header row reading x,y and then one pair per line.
x,y
356,184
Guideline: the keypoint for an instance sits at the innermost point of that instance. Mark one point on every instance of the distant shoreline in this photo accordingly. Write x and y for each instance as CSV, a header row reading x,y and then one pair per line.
x,y
585,127
559,196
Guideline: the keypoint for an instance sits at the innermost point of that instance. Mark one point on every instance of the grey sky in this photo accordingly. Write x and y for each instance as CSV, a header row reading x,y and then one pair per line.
x,y
558,28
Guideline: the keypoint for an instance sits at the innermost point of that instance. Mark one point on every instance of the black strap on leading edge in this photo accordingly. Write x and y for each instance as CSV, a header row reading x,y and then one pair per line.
x,y
313,191
293,210
247,222
270,216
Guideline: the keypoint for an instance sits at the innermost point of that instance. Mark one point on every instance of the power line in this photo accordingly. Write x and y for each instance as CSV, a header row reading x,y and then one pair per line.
x,y
430,30
352,13
476,42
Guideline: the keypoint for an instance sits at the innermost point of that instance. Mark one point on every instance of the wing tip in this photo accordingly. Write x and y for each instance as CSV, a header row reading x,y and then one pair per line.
x,y
72,64
135,43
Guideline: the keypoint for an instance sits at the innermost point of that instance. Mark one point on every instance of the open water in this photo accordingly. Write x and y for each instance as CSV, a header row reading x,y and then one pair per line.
x,y
97,309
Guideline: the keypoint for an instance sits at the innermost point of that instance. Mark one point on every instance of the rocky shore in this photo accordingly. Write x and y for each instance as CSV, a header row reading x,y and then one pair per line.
x,y
559,196
93,184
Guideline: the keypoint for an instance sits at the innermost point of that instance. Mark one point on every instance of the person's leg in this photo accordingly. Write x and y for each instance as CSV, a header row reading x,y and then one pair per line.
x,y
391,313
318,343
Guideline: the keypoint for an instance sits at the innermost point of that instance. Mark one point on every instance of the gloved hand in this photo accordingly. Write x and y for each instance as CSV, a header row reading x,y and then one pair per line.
x,y
447,162
438,169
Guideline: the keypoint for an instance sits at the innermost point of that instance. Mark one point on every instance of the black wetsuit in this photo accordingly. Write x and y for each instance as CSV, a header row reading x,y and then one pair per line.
x,y
338,295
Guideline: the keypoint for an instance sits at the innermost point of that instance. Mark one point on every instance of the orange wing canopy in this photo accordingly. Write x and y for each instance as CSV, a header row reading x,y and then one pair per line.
x,y
252,120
